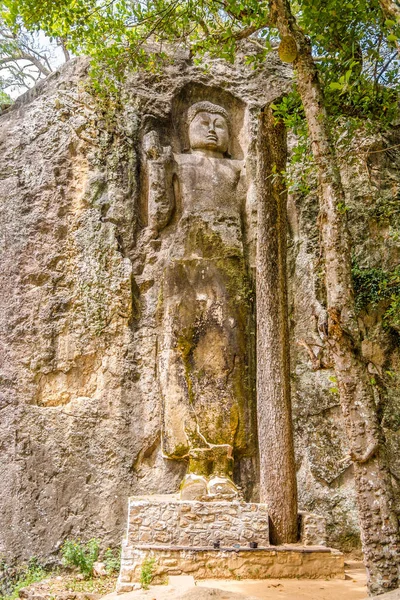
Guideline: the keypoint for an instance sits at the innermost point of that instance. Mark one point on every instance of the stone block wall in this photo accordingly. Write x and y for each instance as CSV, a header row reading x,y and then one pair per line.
x,y
312,529
267,563
179,536
168,521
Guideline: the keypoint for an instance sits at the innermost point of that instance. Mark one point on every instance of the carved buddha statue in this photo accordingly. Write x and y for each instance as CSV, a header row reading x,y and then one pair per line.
x,y
196,205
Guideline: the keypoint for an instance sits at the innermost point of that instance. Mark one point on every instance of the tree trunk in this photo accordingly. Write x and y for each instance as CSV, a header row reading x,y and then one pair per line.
x,y
277,465
62,43
375,499
390,9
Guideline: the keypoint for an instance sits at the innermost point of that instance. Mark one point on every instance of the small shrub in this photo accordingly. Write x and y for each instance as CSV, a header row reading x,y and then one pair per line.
x,y
13,579
146,574
81,556
112,561
374,285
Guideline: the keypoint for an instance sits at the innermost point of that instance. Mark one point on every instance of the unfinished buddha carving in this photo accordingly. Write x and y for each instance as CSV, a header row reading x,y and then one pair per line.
x,y
196,203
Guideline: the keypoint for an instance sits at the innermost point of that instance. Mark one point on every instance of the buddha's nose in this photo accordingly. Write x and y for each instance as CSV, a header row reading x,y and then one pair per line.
x,y
211,128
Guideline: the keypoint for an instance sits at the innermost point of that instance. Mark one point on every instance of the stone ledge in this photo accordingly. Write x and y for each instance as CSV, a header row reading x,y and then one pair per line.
x,y
274,562
286,548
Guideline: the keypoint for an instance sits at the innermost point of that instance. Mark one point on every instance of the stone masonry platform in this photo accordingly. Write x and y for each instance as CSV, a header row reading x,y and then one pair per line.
x,y
214,540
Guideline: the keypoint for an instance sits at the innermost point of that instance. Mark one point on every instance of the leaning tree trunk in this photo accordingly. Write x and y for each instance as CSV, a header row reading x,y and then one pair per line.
x,y
277,465
390,9
378,520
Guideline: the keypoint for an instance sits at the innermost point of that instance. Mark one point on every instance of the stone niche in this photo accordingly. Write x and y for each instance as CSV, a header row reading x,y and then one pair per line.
x,y
196,201
219,540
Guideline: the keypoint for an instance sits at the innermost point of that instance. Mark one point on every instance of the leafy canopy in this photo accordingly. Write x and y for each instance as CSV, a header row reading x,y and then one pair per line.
x,y
358,54
355,43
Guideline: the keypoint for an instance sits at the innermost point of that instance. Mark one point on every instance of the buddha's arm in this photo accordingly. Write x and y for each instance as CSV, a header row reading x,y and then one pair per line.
x,y
248,194
160,170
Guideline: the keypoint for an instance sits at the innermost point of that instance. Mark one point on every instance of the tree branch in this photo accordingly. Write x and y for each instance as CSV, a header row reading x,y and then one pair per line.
x,y
25,56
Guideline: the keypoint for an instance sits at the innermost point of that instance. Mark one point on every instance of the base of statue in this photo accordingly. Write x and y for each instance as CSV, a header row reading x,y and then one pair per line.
x,y
219,540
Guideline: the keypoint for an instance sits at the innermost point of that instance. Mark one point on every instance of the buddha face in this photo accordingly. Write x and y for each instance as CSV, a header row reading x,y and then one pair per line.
x,y
209,134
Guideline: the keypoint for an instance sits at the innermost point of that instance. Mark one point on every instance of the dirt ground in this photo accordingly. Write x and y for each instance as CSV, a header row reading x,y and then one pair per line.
x,y
351,588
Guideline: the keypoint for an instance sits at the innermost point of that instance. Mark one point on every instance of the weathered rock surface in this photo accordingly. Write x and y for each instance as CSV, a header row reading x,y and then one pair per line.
x,y
80,286
395,595
372,184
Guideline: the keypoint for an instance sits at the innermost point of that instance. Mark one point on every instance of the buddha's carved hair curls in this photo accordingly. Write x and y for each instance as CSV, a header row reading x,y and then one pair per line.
x,y
209,107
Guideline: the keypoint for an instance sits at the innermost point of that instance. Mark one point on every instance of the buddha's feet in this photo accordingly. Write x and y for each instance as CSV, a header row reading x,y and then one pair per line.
x,y
198,487
194,487
221,488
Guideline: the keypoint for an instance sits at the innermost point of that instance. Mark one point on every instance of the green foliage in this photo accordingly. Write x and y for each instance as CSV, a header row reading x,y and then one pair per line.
x,y
392,315
5,99
147,572
290,110
357,56
112,560
373,285
355,43
301,163
14,578
116,33
388,209
391,406
81,556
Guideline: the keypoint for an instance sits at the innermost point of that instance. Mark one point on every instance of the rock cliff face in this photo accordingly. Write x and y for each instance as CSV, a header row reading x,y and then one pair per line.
x,y
80,402
372,184
80,297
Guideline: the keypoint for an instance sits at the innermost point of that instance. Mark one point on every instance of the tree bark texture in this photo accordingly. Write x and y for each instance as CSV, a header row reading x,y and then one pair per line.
x,y
277,464
378,520
390,9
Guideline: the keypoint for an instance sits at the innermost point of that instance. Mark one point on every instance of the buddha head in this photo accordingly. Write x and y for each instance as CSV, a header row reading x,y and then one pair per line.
x,y
208,129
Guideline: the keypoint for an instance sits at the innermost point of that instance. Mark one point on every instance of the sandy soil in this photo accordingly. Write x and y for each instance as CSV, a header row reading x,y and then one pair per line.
x,y
352,588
